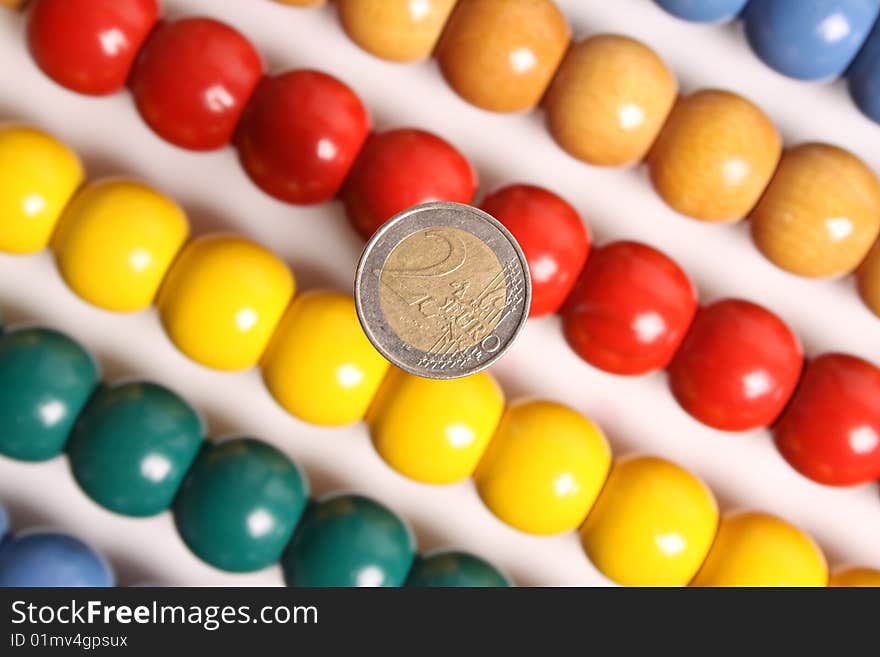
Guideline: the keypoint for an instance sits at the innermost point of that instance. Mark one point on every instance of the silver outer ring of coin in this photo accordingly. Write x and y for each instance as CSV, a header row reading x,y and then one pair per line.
x,y
430,215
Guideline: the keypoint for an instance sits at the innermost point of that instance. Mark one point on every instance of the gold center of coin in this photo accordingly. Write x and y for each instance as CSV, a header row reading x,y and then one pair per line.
x,y
442,290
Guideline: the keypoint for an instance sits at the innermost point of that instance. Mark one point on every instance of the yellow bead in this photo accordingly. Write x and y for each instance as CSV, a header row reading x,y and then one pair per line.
x,y
320,366
652,525
757,549
434,431
397,30
543,468
223,299
38,175
855,577
116,241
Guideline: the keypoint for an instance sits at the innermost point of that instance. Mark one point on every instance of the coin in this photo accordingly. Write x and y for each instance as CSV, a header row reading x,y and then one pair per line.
x,y
442,290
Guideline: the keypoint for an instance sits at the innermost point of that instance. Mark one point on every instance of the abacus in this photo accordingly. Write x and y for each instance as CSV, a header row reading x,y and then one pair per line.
x,y
541,467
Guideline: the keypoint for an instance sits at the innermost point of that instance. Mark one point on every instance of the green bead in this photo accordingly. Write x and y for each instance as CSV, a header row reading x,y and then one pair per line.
x,y
349,540
132,446
45,380
449,568
239,504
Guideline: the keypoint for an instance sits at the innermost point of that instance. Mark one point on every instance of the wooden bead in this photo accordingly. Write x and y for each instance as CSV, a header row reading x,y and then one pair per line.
x,y
11,4
855,577
821,212
609,100
756,549
715,156
869,280
501,54
398,30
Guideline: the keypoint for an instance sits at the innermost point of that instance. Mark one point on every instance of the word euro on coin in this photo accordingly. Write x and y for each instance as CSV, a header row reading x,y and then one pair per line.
x,y
442,290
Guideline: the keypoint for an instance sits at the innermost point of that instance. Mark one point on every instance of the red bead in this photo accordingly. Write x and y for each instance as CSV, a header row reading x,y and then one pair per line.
x,y
629,310
553,238
401,168
830,431
300,134
89,45
192,81
737,366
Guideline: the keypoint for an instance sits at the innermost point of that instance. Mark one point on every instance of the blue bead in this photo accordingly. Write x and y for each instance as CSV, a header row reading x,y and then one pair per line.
x,y
864,76
47,558
703,11
4,522
809,39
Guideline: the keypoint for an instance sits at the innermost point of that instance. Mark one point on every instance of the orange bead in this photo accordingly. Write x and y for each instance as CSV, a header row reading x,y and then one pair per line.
x,y
715,156
501,54
855,577
398,30
869,279
821,213
609,100
12,4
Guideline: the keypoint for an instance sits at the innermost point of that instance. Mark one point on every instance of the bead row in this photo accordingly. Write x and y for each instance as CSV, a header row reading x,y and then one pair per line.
x,y
610,100
732,365
138,449
805,40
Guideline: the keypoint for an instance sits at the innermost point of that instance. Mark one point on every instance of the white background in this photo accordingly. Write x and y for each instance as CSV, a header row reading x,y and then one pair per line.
x,y
637,414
